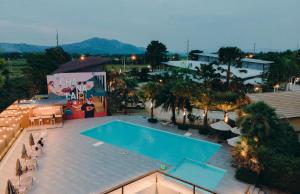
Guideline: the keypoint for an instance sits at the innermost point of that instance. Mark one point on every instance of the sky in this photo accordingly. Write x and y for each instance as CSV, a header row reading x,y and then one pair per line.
x,y
207,24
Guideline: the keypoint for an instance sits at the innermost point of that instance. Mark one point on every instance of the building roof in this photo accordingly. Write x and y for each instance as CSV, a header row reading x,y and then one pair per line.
x,y
208,55
78,64
286,104
235,71
250,60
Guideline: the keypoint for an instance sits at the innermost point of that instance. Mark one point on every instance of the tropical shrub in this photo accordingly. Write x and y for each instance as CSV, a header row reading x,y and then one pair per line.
x,y
268,147
183,127
152,120
204,130
246,175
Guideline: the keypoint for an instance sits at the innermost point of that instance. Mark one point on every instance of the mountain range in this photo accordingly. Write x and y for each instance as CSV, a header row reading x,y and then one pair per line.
x,y
90,46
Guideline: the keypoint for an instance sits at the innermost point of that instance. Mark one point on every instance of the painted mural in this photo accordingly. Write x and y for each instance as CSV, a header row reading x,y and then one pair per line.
x,y
85,93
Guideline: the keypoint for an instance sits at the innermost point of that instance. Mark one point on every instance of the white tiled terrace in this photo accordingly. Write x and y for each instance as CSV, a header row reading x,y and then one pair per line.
x,y
71,164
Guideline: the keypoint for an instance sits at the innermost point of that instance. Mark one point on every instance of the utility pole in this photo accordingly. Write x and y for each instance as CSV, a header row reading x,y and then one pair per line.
x,y
187,52
56,38
254,47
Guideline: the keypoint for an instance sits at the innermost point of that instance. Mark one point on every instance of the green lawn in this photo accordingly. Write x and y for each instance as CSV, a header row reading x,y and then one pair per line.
x,y
16,66
117,67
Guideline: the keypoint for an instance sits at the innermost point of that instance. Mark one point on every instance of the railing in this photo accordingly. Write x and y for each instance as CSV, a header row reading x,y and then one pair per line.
x,y
188,186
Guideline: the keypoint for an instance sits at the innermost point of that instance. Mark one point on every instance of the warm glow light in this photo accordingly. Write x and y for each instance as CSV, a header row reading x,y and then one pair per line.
x,y
82,57
133,57
226,118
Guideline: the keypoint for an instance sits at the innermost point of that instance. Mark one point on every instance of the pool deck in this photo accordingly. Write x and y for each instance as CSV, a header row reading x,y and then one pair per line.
x,y
72,164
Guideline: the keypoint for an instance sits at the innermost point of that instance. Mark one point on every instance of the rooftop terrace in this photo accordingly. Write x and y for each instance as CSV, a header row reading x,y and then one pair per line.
x,y
73,163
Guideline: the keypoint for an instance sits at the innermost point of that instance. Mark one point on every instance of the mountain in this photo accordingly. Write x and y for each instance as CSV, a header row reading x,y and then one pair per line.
x,y
91,46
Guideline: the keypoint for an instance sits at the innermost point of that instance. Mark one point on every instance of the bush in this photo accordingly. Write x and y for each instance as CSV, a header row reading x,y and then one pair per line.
x,y
183,127
246,175
204,130
152,120
281,171
192,118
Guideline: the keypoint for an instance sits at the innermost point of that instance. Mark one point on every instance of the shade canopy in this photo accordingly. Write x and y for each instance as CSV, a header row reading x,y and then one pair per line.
x,y
236,130
234,141
221,126
24,154
19,171
31,140
10,189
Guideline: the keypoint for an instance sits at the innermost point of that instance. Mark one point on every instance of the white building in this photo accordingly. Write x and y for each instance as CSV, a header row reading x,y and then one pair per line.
x,y
252,71
247,63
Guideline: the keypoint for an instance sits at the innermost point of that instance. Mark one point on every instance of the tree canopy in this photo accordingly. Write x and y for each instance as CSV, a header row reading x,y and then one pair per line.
x,y
156,53
230,56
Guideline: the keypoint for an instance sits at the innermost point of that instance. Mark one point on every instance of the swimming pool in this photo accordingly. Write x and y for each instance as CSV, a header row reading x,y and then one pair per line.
x,y
163,146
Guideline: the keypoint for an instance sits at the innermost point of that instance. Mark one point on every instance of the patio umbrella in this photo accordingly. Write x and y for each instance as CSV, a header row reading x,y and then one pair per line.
x,y
10,189
234,141
236,130
19,171
221,126
31,140
24,154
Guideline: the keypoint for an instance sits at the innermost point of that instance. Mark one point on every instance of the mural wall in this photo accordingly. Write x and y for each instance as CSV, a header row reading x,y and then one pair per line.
x,y
85,93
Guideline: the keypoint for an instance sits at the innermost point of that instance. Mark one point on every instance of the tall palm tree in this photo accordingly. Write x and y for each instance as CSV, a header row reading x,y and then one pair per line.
x,y
204,100
231,56
183,92
166,99
207,73
150,91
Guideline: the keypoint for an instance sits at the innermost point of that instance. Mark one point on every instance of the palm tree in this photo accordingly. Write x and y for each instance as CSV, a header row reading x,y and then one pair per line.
x,y
207,73
183,92
150,91
257,120
204,100
166,99
231,56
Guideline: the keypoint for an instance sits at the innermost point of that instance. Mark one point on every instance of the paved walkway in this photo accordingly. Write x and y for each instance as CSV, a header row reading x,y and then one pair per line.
x,y
71,164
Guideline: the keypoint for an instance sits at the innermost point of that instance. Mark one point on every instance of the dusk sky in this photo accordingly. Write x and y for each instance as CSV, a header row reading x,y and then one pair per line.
x,y
208,24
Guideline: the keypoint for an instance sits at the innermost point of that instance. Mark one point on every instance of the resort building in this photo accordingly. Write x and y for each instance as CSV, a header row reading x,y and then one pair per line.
x,y
252,71
248,75
108,155
248,63
286,105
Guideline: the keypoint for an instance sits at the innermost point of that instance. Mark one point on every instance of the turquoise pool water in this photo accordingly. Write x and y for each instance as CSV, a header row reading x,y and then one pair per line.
x,y
198,173
167,147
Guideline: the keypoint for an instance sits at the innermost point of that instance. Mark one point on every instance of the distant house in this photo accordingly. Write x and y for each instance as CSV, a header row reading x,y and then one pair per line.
x,y
286,105
84,64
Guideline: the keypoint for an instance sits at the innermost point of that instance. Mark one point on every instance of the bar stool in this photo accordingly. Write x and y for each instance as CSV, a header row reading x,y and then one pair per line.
x,y
40,121
52,120
31,121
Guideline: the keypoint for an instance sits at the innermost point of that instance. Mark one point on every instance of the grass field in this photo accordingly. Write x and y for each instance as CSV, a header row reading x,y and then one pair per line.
x,y
117,67
16,66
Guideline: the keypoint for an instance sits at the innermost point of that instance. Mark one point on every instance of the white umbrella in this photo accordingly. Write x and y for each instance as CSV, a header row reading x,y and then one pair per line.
x,y
234,141
236,130
221,126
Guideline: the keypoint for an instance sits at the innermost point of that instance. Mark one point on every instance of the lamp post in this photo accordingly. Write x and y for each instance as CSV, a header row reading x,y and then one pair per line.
x,y
133,58
276,87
